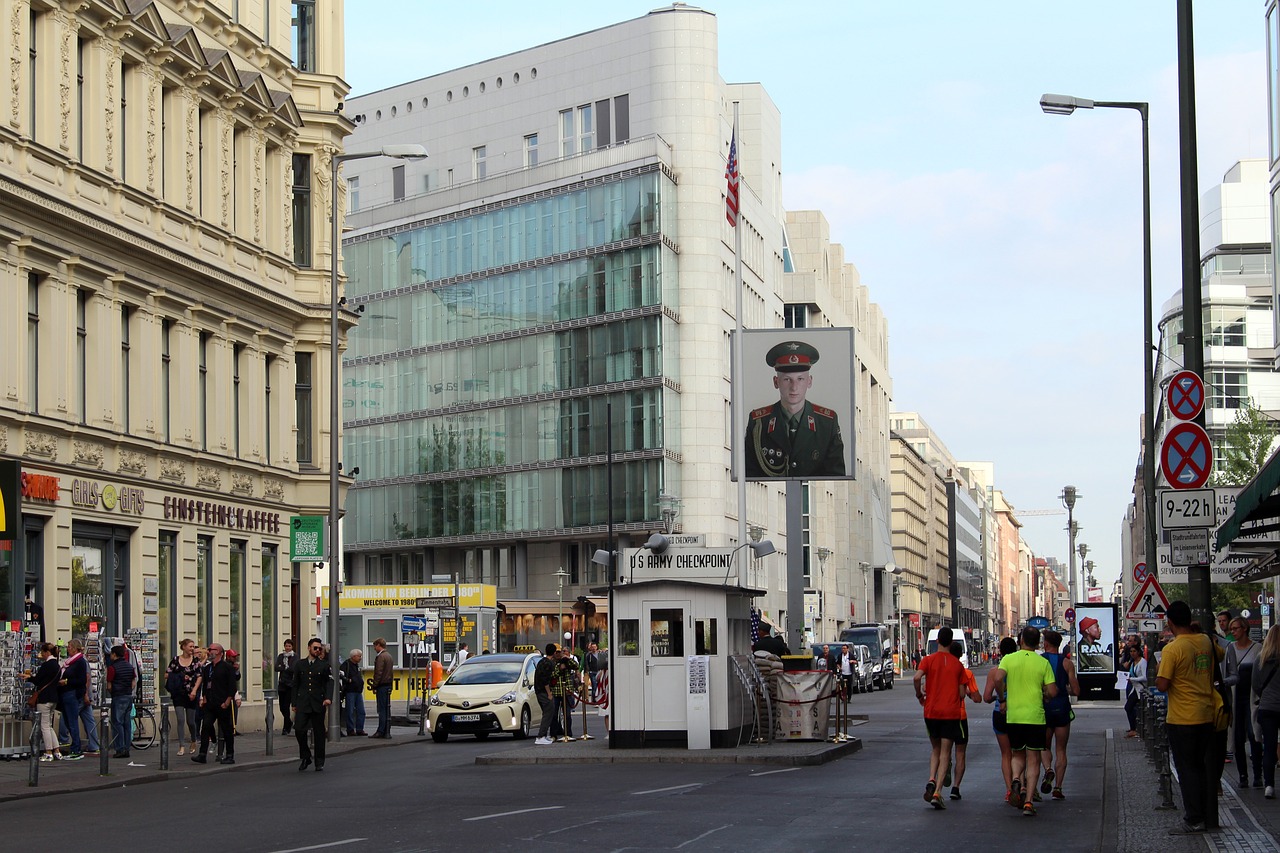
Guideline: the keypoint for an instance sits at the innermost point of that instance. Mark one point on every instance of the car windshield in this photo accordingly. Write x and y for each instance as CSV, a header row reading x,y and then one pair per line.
x,y
479,671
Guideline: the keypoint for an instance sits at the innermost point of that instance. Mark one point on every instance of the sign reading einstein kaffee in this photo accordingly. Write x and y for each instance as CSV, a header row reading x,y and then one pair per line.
x,y
221,515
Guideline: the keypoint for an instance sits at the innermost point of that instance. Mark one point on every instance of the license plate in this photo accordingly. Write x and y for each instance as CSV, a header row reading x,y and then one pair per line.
x,y
466,718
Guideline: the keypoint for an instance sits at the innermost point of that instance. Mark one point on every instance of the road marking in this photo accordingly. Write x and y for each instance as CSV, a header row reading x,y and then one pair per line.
x,y
704,835
771,772
508,814
664,790
322,846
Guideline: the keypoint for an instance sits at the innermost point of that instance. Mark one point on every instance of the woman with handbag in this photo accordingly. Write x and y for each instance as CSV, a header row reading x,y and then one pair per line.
x,y
181,679
1267,688
1242,657
45,682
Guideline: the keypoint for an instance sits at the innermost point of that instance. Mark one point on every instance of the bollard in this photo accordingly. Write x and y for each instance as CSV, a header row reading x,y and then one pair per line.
x,y
270,696
165,704
104,738
1166,773
37,743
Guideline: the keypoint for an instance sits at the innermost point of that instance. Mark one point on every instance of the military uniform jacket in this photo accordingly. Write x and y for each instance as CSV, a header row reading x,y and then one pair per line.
x,y
312,684
219,683
816,450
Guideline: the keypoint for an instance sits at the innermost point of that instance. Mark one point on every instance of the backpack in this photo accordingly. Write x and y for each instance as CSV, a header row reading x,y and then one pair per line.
x,y
176,686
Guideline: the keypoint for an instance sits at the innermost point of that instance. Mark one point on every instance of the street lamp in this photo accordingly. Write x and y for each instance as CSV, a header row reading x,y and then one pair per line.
x,y
823,555
866,597
397,152
1066,105
560,577
1068,497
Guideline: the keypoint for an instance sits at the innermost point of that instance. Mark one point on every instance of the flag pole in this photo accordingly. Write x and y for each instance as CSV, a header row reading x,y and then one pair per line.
x,y
739,413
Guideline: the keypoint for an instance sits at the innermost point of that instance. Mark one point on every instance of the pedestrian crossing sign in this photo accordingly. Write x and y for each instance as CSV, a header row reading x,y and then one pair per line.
x,y
1149,602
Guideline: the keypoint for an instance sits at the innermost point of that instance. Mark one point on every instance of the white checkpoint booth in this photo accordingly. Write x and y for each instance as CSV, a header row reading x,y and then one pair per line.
x,y
672,681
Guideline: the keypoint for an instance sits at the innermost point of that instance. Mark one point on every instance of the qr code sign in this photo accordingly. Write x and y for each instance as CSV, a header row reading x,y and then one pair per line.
x,y
306,543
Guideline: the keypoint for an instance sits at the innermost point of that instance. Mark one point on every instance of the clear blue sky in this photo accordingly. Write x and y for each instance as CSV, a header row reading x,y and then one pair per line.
x,y
1003,244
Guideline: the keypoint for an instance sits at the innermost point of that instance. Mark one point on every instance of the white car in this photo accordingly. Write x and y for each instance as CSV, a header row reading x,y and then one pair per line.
x,y
486,694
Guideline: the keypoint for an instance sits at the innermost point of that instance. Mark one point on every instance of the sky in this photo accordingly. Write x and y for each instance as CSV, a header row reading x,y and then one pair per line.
x,y
1003,244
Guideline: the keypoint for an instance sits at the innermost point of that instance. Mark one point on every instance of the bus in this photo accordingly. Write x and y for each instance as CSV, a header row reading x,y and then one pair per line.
x,y
879,639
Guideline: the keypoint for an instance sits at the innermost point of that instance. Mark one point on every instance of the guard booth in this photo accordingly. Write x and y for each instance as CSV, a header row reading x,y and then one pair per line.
x,y
672,686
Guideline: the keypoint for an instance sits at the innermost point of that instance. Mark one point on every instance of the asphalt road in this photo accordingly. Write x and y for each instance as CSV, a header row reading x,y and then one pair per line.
x,y
424,796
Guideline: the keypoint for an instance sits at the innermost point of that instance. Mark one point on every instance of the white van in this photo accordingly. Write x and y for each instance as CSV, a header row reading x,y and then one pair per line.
x,y
956,637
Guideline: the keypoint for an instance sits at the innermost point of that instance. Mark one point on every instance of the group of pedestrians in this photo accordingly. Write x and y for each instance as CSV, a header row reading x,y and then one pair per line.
x,y
203,684
65,687
1032,716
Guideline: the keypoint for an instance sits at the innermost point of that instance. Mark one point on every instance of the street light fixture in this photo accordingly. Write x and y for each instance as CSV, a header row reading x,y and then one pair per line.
x,y
1069,496
866,595
397,152
1066,105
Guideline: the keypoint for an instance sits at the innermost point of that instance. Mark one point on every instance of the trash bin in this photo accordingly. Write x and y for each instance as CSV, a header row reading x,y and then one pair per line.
x,y
804,705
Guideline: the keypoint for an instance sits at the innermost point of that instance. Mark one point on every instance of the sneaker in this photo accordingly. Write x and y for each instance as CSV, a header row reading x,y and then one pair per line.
x,y
1028,810
544,741
1269,792
1008,795
1185,828
1035,797
46,758
91,752
1057,794
929,790
75,756
937,802
1016,799
955,793
1047,785
230,759
182,750
946,779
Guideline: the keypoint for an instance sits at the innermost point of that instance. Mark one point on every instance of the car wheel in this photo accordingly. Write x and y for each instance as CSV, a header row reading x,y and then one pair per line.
x,y
526,721
439,735
889,683
482,735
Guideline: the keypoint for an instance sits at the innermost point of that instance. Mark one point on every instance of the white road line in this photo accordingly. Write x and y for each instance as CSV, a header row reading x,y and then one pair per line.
x,y
704,835
664,790
508,814
322,846
771,772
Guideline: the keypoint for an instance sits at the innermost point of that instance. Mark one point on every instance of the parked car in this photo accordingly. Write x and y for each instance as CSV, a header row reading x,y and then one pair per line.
x,y
484,695
879,640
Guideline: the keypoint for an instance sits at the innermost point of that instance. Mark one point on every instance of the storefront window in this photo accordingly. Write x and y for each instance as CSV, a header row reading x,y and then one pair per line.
x,y
87,602
237,597
166,574
269,561
6,581
204,559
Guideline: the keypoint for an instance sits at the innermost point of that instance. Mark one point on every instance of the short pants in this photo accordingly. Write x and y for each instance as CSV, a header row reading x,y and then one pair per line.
x,y
1024,736
956,731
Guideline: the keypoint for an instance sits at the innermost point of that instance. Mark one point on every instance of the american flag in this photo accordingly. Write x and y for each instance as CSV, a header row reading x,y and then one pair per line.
x,y
755,626
731,179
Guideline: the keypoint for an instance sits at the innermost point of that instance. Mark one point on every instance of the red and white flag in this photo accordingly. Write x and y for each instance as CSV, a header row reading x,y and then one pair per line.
x,y
731,180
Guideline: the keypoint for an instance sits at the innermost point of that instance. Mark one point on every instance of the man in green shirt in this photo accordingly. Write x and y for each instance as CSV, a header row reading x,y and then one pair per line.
x,y
1027,679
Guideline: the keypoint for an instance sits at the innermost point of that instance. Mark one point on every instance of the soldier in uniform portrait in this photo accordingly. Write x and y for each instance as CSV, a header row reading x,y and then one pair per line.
x,y
793,437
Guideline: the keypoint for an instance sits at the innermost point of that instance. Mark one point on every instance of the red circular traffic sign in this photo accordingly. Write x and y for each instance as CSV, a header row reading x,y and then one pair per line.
x,y
1070,614
1186,456
1139,572
1185,395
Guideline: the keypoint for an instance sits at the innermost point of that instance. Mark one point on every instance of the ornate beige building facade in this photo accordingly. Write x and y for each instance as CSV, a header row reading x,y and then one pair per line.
x,y
165,266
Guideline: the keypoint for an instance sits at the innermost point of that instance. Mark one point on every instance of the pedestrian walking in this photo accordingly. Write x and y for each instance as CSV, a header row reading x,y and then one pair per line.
x,y
1188,667
312,696
353,693
543,676
1137,685
563,689
181,679
383,679
940,684
77,702
217,698
1057,716
121,677
1027,682
597,663
1241,660
994,692
44,683
1267,688
284,684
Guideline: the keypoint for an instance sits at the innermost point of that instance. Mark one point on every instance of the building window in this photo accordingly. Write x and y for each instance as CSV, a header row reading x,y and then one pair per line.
x,y
126,348
478,165
586,128
353,194
269,421
531,150
302,210
166,363
1225,327
236,594
397,183
237,352
204,588
302,397
267,625
795,316
202,391
304,34
621,118
166,576
33,340
1273,78
1228,389
82,353
566,133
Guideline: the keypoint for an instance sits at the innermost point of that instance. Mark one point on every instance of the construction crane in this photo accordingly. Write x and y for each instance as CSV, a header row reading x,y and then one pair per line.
x,y
1026,512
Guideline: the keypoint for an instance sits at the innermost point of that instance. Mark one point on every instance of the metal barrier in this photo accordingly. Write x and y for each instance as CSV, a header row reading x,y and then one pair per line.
x,y
1154,707
165,704
37,749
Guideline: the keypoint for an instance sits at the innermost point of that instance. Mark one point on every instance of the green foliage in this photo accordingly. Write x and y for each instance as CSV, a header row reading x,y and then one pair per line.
x,y
1223,596
1245,448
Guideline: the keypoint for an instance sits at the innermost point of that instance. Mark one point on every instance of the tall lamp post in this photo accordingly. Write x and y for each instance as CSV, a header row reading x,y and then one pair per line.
x,y
1068,496
1066,105
866,596
397,152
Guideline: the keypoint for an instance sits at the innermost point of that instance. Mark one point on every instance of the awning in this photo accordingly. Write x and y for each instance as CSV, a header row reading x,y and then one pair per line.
x,y
1255,505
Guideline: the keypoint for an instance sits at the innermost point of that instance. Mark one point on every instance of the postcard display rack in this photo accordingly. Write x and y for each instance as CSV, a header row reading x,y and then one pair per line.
x,y
15,724
146,645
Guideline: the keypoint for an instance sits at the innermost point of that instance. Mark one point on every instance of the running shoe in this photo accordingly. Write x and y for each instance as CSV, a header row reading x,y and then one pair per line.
x,y
1028,810
75,756
955,793
1016,799
1035,797
937,802
1047,785
1057,794
929,790
946,779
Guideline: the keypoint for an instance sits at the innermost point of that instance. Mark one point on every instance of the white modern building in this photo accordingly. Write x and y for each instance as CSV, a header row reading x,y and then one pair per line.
x,y
563,258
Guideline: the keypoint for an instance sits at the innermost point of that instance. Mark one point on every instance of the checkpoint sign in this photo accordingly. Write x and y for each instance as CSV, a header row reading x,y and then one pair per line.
x,y
1186,456
1185,395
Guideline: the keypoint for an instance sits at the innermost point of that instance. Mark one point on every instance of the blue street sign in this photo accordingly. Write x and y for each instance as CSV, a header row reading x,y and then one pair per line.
x,y
412,622
1039,622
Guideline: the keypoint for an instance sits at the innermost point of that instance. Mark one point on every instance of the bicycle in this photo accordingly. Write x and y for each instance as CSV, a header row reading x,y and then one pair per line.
x,y
144,728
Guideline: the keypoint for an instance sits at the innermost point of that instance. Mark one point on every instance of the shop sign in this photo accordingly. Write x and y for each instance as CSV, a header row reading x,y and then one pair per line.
x,y
40,487
89,494
221,515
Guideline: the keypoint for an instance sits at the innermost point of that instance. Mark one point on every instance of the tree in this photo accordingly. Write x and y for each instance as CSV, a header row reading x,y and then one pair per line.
x,y
1246,446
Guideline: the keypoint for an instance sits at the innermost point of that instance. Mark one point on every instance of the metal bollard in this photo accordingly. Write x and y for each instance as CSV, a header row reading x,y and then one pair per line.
x,y
165,704
104,737
37,742
1166,774
271,720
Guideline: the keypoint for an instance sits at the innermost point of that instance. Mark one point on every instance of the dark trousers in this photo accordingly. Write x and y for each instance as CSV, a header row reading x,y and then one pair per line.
x,y
221,717
285,698
1269,722
563,725
1242,734
1199,758
548,706
383,694
1131,704
313,722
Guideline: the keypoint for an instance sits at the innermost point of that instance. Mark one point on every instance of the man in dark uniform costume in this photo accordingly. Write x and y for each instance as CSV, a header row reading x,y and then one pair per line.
x,y
793,437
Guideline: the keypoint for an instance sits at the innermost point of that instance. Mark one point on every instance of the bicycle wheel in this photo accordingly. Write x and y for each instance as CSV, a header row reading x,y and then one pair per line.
x,y
144,729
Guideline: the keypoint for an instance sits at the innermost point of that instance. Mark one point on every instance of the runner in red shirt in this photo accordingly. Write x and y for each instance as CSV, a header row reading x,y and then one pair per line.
x,y
943,709
970,689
